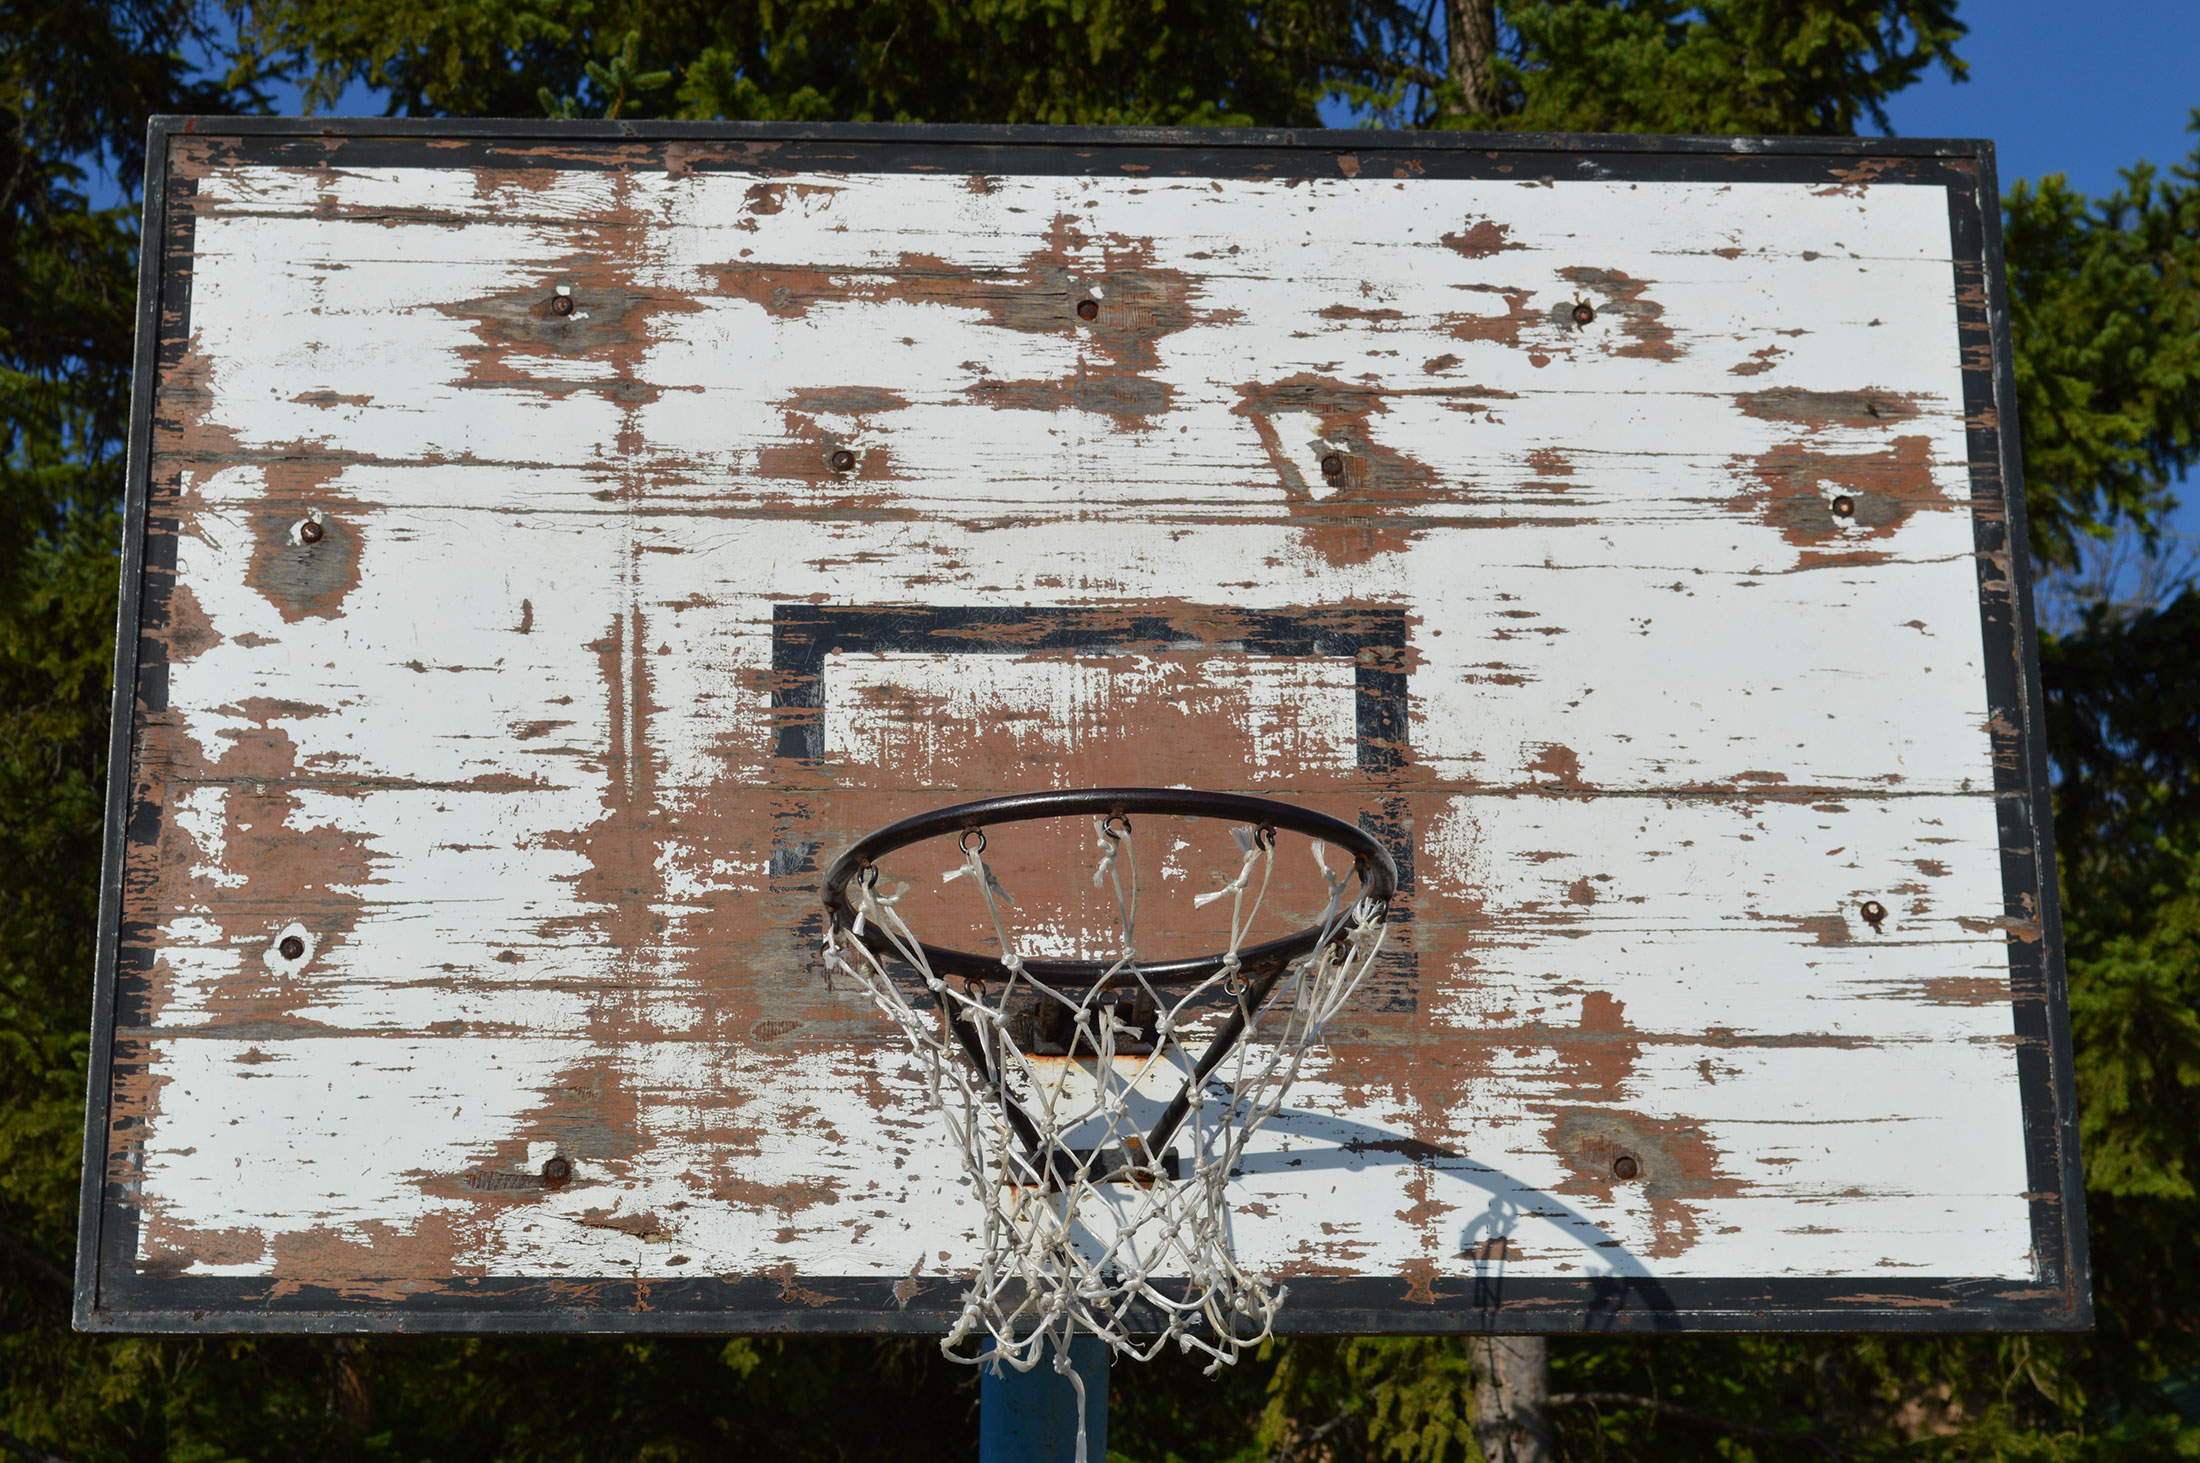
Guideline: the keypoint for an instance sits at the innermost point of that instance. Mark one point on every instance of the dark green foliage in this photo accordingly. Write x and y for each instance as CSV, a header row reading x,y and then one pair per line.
x,y
1736,66
2108,332
2106,309
2121,717
75,82
1064,61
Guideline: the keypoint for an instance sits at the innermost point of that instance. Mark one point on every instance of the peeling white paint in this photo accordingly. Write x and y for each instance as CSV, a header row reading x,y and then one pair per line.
x,y
534,542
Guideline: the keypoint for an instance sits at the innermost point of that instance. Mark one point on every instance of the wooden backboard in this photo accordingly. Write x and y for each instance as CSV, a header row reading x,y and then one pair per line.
x,y
548,544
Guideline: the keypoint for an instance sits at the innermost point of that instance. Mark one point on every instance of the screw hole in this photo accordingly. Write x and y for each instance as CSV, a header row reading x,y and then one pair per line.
x,y
556,1173
844,461
1584,313
561,304
1088,309
1624,1167
1332,466
292,948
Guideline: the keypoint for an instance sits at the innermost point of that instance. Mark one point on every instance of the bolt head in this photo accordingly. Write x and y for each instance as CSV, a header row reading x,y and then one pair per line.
x,y
1844,507
311,532
1584,313
1624,1167
556,1173
1088,309
561,304
292,948
1874,913
1332,466
844,461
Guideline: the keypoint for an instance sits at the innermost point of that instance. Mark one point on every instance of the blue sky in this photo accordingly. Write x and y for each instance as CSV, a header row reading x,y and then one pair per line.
x,y
2081,90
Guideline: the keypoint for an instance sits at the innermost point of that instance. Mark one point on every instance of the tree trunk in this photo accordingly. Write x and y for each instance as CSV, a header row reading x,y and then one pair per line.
x,y
1470,34
1512,1419
350,1391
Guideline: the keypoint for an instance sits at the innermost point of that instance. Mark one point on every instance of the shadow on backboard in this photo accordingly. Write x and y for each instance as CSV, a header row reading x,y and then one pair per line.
x,y
1614,1277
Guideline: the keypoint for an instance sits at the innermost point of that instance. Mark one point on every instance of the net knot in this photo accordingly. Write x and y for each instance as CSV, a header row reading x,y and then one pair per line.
x,y
1111,844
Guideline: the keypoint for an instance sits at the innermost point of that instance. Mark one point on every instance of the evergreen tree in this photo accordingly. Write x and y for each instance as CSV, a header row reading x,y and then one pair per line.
x,y
2107,322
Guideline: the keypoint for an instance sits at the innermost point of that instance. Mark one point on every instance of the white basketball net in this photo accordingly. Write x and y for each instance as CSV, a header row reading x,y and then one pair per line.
x,y
1079,1224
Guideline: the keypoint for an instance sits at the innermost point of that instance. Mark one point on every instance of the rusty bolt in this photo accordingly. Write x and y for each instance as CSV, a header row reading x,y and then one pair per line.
x,y
1624,1167
1584,313
1844,507
1088,309
1332,466
561,304
844,461
556,1172
1875,914
292,948
311,532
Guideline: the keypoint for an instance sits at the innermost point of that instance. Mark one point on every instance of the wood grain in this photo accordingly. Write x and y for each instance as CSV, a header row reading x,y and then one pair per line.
x,y
1676,616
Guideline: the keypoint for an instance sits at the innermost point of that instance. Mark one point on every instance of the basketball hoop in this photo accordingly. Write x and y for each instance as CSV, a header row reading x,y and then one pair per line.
x,y
1097,1221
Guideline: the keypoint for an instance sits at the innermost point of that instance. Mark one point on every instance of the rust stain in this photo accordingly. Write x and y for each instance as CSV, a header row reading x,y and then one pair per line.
x,y
1139,303
1819,410
1376,317
1854,179
594,1110
303,580
644,1226
1678,1170
2025,931
1481,239
1502,329
1420,1277
1824,929
1793,487
1621,296
1134,401
804,450
1597,1058
1557,763
906,1288
1366,511
1960,990
793,1292
292,870
189,632
786,1199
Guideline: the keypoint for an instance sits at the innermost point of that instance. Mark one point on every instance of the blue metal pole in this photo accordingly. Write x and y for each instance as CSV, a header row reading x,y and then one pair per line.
x,y
1031,1417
